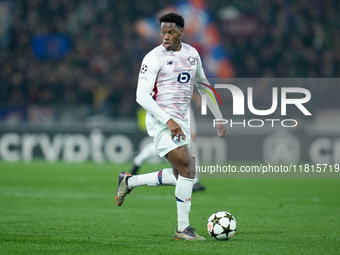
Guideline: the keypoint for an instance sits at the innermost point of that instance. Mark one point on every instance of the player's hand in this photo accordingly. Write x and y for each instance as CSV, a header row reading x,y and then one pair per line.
x,y
175,129
221,130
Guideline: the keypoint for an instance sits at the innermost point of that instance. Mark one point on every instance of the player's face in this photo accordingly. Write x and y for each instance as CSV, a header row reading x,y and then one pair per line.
x,y
171,36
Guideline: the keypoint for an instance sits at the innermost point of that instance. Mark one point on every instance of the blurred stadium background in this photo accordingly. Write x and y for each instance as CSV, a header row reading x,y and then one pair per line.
x,y
69,72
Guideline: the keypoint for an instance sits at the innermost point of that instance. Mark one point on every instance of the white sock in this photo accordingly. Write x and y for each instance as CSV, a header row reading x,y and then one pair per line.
x,y
196,172
146,153
183,194
166,177
163,177
196,179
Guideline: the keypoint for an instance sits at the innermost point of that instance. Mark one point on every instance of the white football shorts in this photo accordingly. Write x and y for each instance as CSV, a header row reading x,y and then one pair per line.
x,y
162,136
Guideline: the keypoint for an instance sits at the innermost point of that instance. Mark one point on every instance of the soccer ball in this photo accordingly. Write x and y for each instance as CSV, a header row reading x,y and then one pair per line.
x,y
222,225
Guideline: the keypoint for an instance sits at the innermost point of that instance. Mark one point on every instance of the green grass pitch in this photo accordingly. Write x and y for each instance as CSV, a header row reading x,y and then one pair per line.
x,y
70,209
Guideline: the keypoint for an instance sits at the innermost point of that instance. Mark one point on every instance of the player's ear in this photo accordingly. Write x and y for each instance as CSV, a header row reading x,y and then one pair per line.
x,y
182,31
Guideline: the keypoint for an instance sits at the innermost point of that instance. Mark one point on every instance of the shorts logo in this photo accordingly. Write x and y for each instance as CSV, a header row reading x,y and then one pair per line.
x,y
144,69
175,139
191,60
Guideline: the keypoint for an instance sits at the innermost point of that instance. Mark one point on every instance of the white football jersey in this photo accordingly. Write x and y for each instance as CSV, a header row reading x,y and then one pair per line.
x,y
166,81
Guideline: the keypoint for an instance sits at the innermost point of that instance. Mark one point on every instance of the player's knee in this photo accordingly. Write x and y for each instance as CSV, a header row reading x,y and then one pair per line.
x,y
188,170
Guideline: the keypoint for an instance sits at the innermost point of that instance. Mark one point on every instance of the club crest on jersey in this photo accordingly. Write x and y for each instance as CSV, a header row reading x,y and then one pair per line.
x,y
144,69
191,60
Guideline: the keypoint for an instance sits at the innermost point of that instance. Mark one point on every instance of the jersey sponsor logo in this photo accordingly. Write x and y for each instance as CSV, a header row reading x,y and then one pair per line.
x,y
191,60
183,77
143,78
143,69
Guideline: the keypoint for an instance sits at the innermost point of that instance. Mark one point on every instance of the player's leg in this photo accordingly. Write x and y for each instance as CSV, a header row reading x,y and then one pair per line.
x,y
146,153
193,131
163,177
127,182
182,161
197,185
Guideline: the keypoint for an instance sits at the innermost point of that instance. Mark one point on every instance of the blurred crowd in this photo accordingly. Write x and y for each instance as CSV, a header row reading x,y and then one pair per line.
x,y
287,38
98,73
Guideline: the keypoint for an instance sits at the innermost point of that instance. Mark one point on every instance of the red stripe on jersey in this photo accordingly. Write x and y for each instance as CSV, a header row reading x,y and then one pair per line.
x,y
155,89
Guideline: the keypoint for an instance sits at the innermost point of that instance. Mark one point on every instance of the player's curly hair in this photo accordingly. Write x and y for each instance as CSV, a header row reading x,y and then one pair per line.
x,y
172,17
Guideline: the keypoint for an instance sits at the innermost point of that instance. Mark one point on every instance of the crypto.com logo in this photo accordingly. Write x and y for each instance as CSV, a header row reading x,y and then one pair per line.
x,y
239,104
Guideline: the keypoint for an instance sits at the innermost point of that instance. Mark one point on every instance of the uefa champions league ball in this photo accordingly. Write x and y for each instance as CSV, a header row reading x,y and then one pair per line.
x,y
222,225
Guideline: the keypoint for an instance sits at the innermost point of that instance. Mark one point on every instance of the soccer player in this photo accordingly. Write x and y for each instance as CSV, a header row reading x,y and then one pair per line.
x,y
165,85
